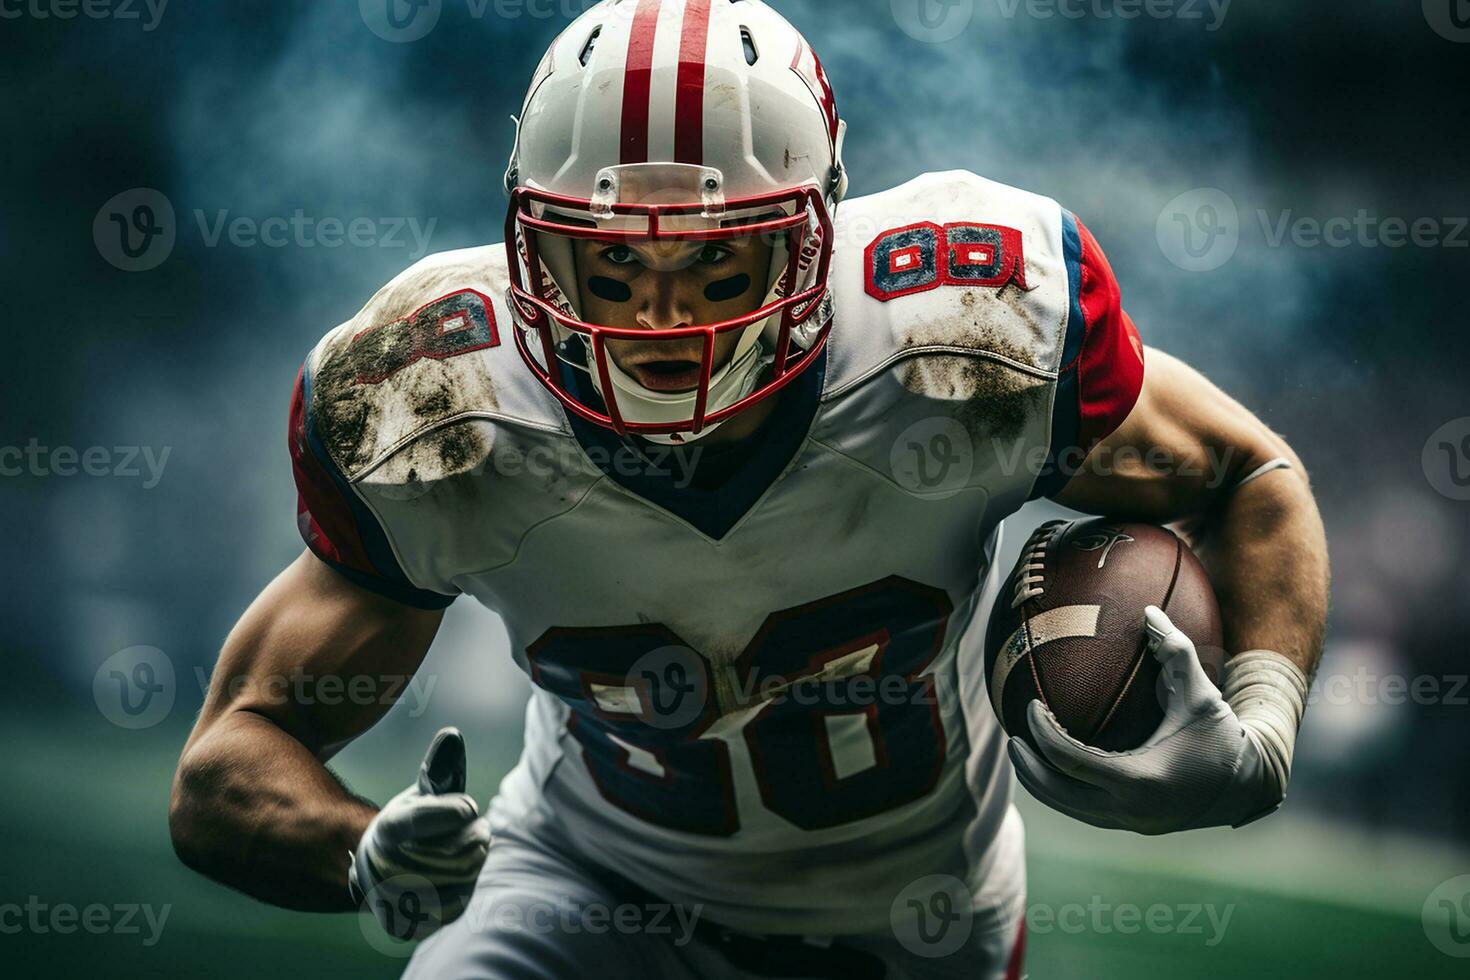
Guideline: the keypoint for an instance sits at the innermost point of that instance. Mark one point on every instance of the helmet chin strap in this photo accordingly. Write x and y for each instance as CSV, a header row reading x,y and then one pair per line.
x,y
727,386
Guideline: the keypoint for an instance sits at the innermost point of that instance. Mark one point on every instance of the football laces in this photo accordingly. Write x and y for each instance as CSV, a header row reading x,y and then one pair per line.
x,y
1031,582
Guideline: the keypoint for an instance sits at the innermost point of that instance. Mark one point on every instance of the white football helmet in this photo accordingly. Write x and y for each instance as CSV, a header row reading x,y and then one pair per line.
x,y
651,121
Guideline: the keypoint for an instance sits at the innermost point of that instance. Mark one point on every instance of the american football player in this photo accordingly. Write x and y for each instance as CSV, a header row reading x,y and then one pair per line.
x,y
730,454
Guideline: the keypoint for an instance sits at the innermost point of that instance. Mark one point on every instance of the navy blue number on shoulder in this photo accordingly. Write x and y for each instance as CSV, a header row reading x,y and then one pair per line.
x,y
925,256
904,261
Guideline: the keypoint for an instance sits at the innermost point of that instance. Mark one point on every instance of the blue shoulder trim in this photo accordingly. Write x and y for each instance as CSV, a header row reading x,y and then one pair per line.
x,y
1066,413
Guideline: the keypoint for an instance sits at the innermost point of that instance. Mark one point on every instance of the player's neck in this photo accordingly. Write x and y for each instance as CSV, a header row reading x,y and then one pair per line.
x,y
741,426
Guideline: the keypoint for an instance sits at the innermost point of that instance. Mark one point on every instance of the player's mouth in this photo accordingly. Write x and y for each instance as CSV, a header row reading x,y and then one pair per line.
x,y
667,375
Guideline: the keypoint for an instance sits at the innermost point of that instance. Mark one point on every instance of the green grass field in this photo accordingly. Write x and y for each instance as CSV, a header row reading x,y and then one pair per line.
x,y
84,815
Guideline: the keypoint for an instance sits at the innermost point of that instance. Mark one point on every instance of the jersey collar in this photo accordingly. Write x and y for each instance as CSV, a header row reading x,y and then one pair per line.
x,y
669,477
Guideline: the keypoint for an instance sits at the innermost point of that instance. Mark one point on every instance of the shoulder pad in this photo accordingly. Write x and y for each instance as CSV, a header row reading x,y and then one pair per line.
x,y
949,266
431,350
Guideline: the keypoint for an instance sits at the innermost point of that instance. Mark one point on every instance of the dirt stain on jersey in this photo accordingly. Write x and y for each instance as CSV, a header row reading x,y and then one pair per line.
x,y
856,518
346,415
459,447
996,398
434,404
359,418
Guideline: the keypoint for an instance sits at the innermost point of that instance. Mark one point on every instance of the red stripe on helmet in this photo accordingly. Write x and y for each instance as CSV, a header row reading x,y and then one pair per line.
x,y
689,103
638,82
816,80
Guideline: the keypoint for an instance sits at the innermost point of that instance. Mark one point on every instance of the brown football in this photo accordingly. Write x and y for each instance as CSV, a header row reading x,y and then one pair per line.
x,y
1067,628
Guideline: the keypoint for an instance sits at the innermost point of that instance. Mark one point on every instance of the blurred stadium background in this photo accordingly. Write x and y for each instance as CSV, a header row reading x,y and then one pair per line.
x,y
1356,353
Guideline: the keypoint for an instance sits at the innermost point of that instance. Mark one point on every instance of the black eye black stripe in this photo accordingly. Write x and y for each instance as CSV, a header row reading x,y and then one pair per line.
x,y
727,289
610,290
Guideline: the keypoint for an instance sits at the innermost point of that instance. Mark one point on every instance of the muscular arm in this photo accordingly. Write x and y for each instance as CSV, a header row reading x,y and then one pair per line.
x,y
1180,457
253,803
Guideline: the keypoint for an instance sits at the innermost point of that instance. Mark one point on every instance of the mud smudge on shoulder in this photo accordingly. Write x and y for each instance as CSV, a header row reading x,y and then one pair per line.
x,y
995,398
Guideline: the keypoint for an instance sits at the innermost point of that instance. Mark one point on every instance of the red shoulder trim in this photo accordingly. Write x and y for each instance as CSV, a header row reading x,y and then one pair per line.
x,y
1110,366
324,519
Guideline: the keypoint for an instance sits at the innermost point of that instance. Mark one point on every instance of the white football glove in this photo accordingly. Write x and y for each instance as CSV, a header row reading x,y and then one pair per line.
x,y
1215,761
418,861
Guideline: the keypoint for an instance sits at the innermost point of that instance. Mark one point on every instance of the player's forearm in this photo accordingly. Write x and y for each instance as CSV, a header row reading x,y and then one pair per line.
x,y
253,809
1266,551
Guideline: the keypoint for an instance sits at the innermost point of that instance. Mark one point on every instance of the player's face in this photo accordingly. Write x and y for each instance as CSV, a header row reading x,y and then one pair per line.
x,y
657,286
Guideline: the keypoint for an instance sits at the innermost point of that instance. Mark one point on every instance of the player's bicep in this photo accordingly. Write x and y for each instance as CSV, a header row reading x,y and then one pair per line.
x,y
321,658
326,649
1183,446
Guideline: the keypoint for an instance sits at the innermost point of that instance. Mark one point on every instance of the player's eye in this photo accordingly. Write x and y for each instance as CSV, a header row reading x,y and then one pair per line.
x,y
713,254
619,255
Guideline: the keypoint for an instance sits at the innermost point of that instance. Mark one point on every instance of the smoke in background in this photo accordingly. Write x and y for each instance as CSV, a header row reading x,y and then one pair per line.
x,y
1152,129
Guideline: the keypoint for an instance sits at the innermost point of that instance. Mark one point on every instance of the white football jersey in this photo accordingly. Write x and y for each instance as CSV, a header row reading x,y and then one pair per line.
x,y
756,675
